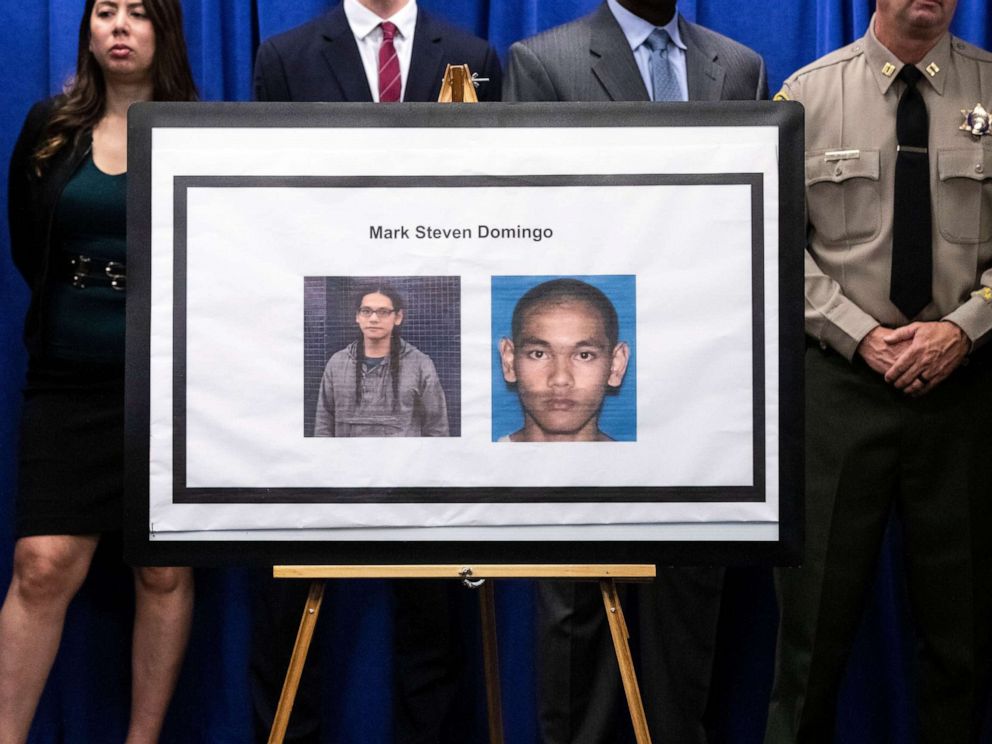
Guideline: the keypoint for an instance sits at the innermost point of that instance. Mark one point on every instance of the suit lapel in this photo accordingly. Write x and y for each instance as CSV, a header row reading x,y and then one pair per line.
x,y
612,61
704,74
423,82
343,60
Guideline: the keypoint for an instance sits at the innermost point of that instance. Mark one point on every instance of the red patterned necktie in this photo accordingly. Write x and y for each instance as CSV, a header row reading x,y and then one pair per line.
x,y
389,65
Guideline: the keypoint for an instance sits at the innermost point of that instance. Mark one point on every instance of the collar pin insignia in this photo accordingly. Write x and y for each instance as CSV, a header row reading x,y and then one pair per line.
x,y
888,68
932,69
976,121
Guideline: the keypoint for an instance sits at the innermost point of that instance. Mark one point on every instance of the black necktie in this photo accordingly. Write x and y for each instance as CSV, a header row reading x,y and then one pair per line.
x,y
912,254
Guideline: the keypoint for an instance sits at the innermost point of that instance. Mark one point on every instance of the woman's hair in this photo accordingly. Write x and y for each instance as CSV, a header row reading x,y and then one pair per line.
x,y
394,342
85,95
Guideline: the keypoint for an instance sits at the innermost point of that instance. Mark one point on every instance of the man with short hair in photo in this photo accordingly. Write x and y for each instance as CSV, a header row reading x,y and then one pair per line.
x,y
563,358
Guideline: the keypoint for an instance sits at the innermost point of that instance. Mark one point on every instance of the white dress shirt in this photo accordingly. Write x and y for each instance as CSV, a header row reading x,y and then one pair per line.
x,y
368,35
637,30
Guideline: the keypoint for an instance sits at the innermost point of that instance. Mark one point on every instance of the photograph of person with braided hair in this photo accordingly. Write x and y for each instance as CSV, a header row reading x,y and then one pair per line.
x,y
380,384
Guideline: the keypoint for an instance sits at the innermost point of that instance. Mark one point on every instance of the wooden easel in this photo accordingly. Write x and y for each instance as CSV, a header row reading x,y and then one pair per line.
x,y
475,576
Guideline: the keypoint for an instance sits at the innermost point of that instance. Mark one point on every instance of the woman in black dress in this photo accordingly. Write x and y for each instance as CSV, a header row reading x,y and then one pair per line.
x,y
68,238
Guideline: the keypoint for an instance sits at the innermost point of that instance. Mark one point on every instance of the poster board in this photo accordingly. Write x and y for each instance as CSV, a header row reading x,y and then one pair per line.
x,y
257,232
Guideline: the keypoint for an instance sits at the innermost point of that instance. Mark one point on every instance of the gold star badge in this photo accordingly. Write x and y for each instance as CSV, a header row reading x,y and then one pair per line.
x,y
976,121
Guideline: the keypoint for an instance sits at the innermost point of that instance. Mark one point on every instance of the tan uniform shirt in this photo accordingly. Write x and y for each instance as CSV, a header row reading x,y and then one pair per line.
x,y
851,98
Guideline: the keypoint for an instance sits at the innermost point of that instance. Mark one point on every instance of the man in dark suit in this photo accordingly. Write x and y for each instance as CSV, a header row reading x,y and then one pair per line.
x,y
364,51
323,60
630,50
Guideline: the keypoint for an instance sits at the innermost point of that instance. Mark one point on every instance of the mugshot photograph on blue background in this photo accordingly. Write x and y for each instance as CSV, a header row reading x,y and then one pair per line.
x,y
618,417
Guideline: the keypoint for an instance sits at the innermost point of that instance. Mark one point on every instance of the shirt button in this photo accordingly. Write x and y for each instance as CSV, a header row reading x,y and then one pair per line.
x,y
838,170
979,168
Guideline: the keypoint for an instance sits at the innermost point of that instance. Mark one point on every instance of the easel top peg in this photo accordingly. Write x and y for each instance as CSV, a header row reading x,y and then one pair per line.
x,y
458,85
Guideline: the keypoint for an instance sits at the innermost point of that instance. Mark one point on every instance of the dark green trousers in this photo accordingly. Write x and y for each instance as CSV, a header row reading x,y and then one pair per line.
x,y
871,449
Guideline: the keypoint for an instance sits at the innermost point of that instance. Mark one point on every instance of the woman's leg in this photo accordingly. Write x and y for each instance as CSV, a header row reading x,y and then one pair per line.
x,y
163,612
48,571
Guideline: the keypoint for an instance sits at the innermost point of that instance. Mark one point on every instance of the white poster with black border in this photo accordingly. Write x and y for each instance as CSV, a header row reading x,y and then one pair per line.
x,y
595,312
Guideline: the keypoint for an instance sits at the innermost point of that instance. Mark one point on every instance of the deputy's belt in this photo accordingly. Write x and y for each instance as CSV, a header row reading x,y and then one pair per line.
x,y
91,271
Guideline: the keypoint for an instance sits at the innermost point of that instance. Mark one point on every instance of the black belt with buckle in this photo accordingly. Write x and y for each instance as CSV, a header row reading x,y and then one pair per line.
x,y
90,271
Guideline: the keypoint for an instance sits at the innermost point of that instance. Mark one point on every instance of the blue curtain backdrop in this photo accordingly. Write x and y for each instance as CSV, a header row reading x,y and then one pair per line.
x,y
86,699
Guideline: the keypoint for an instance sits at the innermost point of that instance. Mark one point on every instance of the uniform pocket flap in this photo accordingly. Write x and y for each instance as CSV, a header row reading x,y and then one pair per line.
x,y
819,168
974,163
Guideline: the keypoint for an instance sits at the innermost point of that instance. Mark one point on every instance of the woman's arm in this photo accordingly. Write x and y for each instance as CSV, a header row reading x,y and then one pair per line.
x,y
27,256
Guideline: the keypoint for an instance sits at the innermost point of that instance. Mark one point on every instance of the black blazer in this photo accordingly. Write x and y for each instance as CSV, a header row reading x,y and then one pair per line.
x,y
31,209
319,61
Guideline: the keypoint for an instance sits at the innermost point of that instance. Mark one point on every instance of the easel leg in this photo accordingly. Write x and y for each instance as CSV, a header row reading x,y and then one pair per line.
x,y
303,637
490,656
621,637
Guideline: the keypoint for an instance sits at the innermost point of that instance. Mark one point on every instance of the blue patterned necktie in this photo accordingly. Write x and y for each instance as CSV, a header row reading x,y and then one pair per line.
x,y
664,83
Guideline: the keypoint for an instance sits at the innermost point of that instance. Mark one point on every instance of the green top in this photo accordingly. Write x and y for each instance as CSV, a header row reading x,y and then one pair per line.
x,y
90,220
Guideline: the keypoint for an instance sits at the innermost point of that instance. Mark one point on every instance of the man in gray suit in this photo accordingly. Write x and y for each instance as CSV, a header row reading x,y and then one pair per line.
x,y
630,50
605,57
